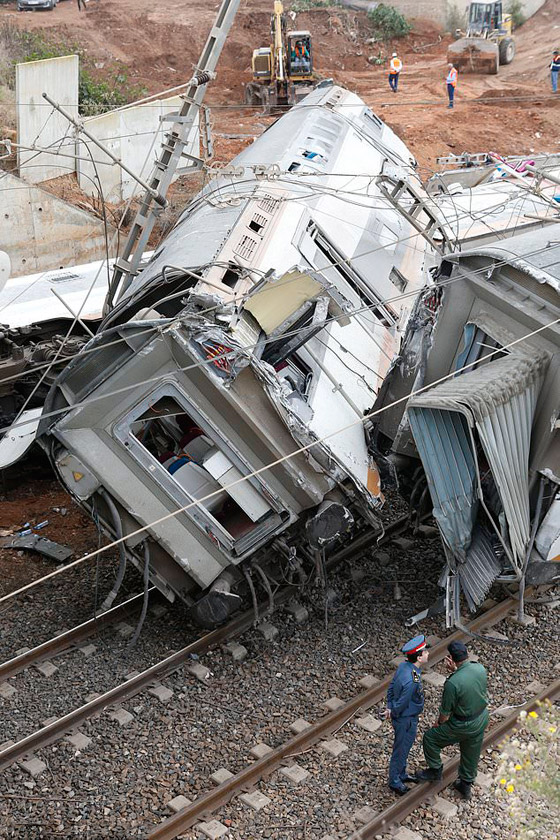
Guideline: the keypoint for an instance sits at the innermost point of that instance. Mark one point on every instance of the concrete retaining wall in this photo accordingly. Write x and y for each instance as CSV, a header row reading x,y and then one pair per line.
x,y
37,122
41,232
134,134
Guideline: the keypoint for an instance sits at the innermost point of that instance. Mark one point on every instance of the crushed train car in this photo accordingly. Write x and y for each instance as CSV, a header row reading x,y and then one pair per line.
x,y
263,324
481,360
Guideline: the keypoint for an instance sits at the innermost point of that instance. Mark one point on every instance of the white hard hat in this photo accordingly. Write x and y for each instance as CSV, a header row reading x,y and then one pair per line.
x,y
394,55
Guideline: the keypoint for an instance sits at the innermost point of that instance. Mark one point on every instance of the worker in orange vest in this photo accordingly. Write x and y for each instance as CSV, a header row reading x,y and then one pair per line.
x,y
395,67
451,83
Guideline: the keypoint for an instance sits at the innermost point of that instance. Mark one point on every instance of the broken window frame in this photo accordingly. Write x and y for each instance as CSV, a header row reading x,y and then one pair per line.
x,y
202,517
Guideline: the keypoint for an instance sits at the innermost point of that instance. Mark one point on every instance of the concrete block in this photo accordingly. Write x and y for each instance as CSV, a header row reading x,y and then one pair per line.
x,y
525,621
406,834
433,639
268,631
535,687
79,741
434,678
121,716
369,723
295,774
161,693
213,829
255,800
260,750
428,531
7,690
553,605
299,725
503,711
87,650
178,803
220,776
484,780
200,671
299,612
369,681
333,747
46,668
365,815
158,610
403,543
332,704
125,630
444,807
33,766
237,652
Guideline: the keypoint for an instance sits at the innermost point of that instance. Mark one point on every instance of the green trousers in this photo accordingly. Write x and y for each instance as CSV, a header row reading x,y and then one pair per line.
x,y
468,734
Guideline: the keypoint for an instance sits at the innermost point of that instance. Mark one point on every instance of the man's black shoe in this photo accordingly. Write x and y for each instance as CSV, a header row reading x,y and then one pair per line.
x,y
408,778
400,790
429,774
464,788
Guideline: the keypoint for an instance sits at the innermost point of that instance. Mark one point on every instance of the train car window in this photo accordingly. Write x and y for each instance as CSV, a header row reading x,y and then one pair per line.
x,y
476,343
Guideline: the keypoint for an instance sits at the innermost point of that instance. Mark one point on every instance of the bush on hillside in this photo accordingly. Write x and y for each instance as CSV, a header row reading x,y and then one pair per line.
x,y
388,23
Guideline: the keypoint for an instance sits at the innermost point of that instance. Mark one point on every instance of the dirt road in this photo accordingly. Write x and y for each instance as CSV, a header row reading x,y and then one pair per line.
x,y
158,44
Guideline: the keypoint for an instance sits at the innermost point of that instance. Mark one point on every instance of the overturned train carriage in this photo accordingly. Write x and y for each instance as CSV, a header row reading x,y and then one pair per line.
x,y
264,324
481,357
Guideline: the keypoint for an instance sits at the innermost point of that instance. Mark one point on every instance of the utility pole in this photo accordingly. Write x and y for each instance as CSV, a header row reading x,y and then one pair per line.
x,y
126,267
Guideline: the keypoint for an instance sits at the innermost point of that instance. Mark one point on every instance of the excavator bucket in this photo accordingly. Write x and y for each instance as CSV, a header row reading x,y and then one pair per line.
x,y
474,55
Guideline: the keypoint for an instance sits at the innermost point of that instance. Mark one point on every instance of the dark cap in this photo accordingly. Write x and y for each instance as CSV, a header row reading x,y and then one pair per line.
x,y
458,651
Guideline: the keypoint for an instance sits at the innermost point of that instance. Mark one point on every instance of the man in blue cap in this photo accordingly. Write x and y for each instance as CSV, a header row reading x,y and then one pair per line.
x,y
463,717
405,702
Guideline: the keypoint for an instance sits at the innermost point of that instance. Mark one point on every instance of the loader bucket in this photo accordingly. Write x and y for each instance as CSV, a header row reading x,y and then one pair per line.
x,y
474,55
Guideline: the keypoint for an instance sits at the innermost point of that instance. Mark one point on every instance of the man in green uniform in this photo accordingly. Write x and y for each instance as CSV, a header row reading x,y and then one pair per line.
x,y
463,717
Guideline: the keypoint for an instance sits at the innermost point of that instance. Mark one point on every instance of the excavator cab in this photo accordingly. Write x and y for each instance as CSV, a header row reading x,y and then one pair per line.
x,y
262,65
485,18
300,55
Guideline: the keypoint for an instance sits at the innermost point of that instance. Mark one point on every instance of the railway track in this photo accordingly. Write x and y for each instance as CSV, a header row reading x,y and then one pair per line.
x,y
209,802
50,733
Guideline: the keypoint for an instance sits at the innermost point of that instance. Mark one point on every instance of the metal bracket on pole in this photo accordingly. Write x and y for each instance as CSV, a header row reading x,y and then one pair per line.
x,y
157,197
171,152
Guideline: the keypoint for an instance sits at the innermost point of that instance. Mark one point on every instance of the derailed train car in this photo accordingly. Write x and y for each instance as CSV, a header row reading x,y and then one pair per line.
x,y
264,324
480,432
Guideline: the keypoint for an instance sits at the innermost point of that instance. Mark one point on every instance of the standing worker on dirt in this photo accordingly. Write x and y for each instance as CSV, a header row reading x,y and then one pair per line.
x,y
451,83
463,717
395,67
405,702
554,70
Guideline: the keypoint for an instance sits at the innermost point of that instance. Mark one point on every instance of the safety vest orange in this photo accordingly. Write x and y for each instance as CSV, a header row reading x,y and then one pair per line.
x,y
396,65
452,77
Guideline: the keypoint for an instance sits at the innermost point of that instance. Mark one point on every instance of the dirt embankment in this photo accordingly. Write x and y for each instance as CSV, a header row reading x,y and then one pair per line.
x,y
158,44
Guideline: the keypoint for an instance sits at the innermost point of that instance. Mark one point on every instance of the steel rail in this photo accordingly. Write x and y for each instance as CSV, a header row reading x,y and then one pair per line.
x,y
214,799
381,823
64,640
47,734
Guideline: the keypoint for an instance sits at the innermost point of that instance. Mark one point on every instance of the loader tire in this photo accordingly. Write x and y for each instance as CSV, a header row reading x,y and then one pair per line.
x,y
507,51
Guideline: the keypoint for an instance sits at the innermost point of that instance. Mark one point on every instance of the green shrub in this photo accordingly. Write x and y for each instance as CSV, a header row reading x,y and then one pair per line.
x,y
515,9
94,96
388,23
306,5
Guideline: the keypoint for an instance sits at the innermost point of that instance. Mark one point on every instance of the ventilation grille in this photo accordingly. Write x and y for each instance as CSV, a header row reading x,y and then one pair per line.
x,y
246,247
268,204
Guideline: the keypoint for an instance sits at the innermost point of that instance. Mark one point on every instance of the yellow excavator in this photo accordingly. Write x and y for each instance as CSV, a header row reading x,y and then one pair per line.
x,y
283,72
487,43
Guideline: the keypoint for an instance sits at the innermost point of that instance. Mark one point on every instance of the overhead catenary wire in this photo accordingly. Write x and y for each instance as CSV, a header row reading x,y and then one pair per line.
x,y
299,451
312,272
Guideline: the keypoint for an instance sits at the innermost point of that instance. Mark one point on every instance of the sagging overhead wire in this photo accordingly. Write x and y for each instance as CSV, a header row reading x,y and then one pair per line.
x,y
300,450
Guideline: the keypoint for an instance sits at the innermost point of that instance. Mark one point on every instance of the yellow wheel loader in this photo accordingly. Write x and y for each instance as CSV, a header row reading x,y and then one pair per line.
x,y
487,43
283,72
